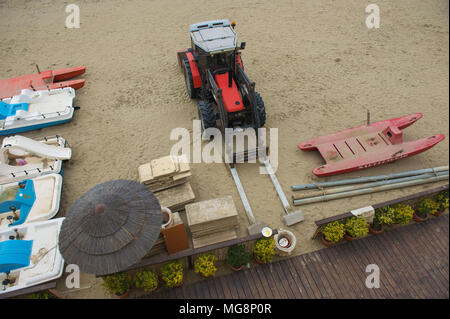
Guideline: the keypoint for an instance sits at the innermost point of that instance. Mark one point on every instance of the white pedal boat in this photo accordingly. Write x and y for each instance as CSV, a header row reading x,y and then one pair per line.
x,y
23,158
30,200
32,110
29,255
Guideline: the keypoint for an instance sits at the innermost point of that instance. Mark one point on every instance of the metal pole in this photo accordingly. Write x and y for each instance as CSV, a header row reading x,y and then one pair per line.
x,y
277,186
368,190
240,188
367,185
369,179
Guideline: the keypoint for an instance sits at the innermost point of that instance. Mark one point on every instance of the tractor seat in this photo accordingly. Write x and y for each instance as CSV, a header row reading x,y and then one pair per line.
x,y
230,95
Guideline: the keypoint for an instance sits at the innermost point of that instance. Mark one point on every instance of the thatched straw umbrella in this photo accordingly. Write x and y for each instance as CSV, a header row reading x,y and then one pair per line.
x,y
110,227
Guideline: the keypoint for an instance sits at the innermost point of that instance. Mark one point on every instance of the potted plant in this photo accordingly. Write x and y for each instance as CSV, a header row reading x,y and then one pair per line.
x,y
442,199
118,284
263,250
237,257
332,233
402,214
205,265
424,208
146,279
383,216
172,274
355,227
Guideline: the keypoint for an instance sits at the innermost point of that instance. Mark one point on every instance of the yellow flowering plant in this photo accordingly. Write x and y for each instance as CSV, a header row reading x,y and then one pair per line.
x,y
146,279
205,265
427,206
264,249
403,214
334,231
172,273
356,226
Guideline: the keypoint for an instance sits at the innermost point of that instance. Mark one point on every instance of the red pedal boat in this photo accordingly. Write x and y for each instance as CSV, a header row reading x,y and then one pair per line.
x,y
50,79
367,146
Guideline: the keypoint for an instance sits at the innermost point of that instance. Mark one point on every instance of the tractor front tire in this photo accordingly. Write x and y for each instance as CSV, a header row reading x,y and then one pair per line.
x,y
189,80
261,109
206,115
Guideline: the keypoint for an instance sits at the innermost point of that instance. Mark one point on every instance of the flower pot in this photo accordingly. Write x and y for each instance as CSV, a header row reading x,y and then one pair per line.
x,y
349,238
373,231
180,284
124,295
238,268
395,225
418,218
326,242
258,260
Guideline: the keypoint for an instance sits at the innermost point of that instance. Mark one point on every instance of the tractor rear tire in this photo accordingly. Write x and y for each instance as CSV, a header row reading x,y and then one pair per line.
x,y
261,109
189,80
206,115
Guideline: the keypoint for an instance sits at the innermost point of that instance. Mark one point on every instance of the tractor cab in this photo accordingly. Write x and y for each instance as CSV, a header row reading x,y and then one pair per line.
x,y
213,37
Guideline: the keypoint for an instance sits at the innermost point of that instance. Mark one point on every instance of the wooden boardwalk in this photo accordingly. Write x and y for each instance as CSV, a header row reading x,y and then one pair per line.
x,y
413,263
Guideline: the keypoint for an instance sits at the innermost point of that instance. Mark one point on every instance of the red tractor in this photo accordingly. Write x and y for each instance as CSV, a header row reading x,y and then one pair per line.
x,y
214,73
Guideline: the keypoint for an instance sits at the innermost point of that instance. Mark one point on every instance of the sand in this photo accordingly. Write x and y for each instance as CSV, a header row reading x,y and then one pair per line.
x,y
315,63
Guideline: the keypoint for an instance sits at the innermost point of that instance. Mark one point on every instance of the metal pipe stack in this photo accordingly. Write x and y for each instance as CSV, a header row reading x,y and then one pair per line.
x,y
369,185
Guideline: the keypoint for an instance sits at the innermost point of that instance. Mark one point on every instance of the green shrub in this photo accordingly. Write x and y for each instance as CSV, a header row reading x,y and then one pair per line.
x,y
118,283
383,216
356,226
264,249
172,273
403,214
237,256
333,232
427,206
148,280
205,265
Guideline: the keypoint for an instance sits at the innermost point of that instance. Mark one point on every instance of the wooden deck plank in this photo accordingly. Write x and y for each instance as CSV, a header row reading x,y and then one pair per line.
x,y
336,272
294,281
370,258
258,282
345,269
417,290
351,257
258,274
275,270
275,283
387,271
328,274
254,289
308,268
278,270
246,285
301,268
226,289
426,273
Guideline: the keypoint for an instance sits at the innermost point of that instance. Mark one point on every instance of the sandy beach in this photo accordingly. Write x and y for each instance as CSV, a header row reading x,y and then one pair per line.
x,y
315,63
